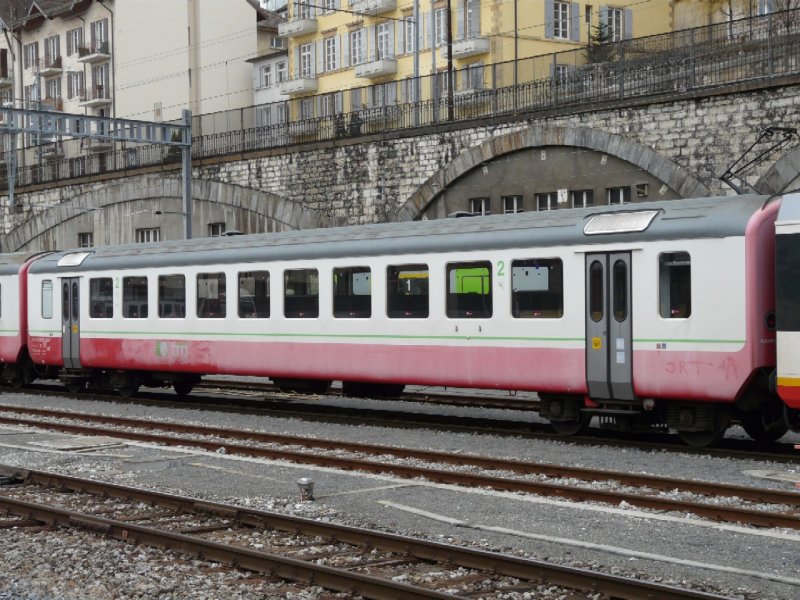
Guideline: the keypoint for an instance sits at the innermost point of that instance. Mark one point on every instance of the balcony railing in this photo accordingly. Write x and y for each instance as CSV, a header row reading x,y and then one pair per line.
x,y
377,66
298,85
297,27
672,66
372,7
50,66
97,95
94,52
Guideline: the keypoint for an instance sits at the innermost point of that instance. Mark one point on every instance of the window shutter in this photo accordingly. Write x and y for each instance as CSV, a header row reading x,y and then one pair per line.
x,y
391,92
344,41
575,22
549,9
296,64
431,28
337,48
355,99
401,37
460,10
390,51
320,52
628,26
478,79
420,29
338,102
604,16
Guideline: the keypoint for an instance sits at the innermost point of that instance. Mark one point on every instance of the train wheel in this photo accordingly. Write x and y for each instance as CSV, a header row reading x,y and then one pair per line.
x,y
753,424
183,388
76,385
128,391
572,427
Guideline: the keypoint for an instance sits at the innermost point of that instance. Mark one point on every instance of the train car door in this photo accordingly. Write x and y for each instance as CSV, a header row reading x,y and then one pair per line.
x,y
609,369
70,322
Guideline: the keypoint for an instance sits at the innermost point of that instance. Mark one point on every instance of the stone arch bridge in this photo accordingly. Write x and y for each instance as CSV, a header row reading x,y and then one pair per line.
x,y
637,152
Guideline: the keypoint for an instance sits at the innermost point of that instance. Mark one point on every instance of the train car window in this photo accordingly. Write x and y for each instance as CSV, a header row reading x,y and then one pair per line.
x,y
675,285
65,301
301,293
134,297
211,296
596,291
47,299
469,290
254,295
101,298
407,295
619,302
171,296
75,305
537,288
352,293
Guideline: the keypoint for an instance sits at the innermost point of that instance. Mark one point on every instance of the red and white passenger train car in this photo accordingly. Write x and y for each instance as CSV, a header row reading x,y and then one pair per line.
x,y
658,314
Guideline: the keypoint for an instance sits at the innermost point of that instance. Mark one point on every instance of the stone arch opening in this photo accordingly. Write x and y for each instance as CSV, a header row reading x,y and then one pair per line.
x,y
114,214
459,175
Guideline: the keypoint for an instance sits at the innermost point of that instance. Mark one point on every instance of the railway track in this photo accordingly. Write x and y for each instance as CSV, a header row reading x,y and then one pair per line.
x,y
315,408
743,504
346,559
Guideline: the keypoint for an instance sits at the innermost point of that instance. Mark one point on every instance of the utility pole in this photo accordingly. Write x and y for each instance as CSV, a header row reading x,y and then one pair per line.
x,y
450,81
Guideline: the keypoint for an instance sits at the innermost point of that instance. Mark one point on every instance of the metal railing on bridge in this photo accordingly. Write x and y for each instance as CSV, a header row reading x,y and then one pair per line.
x,y
688,61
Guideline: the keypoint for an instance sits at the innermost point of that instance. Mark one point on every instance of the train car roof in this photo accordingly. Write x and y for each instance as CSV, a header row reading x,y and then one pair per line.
x,y
713,217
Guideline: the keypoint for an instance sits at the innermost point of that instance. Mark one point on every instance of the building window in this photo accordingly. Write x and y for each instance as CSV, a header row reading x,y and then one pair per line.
x,y
101,298
619,195
409,33
537,289
471,18
305,61
512,204
614,22
263,116
352,293
31,55
357,47
53,88
331,45
469,290
280,71
675,285
75,84
171,296
216,229
99,35
384,49
211,296
561,74
440,26
561,20
581,198
307,108
277,43
134,297
588,14
547,201
77,166
642,190
301,293
254,295
266,76
74,40
302,10
52,50
282,113
86,239
480,206
329,5
407,294
145,236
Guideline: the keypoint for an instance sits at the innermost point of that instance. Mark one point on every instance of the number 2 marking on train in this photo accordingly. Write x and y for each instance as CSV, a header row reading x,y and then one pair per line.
x,y
501,268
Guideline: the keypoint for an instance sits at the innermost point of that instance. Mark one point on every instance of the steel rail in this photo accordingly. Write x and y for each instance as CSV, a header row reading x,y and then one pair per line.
x,y
527,569
713,512
753,494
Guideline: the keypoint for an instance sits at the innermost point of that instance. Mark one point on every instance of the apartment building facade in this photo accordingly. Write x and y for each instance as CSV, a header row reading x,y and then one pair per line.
x,y
136,59
392,51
